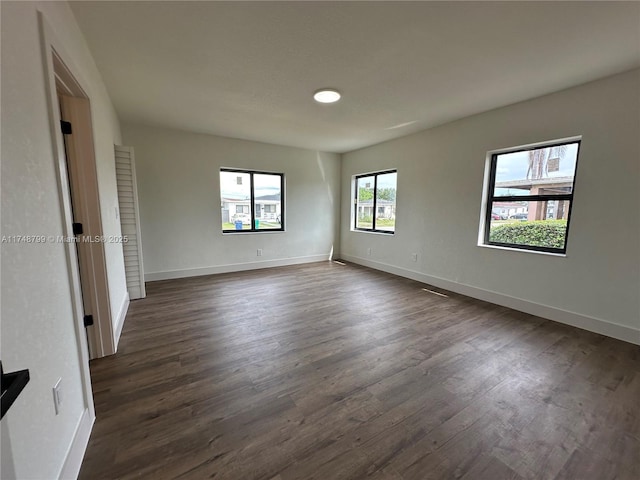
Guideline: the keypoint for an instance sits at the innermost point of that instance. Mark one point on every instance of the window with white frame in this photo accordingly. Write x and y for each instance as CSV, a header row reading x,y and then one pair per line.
x,y
530,195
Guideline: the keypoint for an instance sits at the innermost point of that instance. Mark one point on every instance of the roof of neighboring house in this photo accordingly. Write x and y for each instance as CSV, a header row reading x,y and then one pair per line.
x,y
378,202
509,204
527,184
269,197
262,199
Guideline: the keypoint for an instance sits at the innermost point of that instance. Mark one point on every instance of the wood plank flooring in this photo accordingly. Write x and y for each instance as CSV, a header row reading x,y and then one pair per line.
x,y
324,371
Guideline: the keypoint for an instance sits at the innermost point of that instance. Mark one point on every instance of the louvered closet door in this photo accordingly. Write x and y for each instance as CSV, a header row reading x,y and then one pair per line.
x,y
130,221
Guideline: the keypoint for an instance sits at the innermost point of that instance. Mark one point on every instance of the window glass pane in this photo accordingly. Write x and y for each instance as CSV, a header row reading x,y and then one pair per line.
x,y
268,196
537,224
386,202
235,193
544,171
364,202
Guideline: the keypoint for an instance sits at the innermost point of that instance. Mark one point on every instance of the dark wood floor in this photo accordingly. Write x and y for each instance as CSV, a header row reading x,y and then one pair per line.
x,y
323,371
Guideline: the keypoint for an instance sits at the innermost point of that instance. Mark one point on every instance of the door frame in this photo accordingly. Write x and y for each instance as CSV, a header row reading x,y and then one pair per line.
x,y
52,47
62,77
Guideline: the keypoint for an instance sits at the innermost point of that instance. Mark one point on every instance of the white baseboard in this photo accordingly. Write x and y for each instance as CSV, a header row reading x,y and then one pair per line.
x,y
233,267
75,455
124,308
603,327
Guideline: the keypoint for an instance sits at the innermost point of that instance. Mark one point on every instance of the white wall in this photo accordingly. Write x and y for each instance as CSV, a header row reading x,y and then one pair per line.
x,y
37,311
440,180
179,197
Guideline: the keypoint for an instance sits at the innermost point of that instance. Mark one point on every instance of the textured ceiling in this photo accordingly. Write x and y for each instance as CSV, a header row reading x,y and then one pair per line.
x,y
249,69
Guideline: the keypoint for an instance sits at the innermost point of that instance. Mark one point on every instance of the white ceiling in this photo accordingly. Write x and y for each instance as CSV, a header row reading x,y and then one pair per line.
x,y
248,70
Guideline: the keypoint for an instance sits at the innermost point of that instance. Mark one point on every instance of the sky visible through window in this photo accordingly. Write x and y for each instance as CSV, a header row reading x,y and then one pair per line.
x,y
387,181
514,166
264,185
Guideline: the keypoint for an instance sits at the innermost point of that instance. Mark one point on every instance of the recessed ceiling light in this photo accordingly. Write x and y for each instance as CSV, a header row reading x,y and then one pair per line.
x,y
326,95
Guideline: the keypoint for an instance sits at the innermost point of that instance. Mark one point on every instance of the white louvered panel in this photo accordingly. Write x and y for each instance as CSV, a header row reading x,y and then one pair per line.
x,y
132,239
133,274
129,229
136,292
130,221
134,263
123,177
125,210
133,278
130,250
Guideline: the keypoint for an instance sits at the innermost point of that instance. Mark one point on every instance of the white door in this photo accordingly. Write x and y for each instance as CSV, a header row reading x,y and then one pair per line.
x,y
130,220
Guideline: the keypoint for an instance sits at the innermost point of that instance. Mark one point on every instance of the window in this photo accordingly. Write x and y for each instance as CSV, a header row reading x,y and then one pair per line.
x,y
530,193
239,190
375,202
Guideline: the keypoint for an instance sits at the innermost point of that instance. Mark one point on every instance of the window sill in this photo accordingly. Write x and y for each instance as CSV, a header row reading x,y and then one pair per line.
x,y
523,250
249,232
375,232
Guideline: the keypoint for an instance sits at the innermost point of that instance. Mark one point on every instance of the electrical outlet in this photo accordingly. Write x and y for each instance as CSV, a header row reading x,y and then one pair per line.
x,y
414,257
259,252
57,396
368,251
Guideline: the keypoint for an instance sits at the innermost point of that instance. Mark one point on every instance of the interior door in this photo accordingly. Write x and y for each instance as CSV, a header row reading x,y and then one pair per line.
x,y
74,175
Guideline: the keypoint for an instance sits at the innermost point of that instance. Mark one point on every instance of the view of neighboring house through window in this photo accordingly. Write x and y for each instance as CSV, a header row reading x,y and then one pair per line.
x,y
251,201
530,197
375,201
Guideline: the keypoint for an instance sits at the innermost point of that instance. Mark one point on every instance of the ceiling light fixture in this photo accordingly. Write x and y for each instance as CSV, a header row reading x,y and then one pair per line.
x,y
326,95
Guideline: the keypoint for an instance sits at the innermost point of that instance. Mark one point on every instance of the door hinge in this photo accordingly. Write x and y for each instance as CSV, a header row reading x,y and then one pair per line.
x,y
88,320
77,229
66,127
